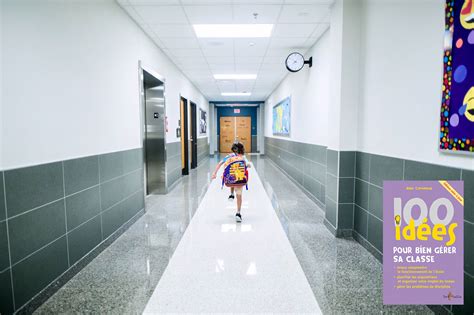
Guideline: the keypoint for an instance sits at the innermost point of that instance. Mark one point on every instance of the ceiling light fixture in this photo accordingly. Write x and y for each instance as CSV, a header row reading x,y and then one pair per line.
x,y
233,30
236,94
235,76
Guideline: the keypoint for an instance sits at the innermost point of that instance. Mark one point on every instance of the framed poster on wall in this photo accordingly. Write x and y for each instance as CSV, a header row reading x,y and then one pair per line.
x,y
282,118
457,108
202,122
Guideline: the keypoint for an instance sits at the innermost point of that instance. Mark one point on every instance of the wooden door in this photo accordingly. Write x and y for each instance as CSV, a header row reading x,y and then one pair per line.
x,y
183,124
244,132
227,134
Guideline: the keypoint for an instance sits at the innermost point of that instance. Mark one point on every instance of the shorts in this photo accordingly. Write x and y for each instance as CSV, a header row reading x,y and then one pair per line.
x,y
238,190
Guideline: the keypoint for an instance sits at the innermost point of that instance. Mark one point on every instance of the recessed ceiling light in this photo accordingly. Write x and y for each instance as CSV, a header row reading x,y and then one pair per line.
x,y
236,94
235,76
233,30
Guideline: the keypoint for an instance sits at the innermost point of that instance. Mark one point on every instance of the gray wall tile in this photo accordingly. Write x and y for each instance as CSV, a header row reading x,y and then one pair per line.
x,y
362,165
34,273
111,165
468,178
313,187
468,247
80,174
133,205
131,183
347,164
385,168
34,229
376,201
424,171
331,187
331,211
332,162
132,160
360,221
112,192
83,239
2,199
113,219
468,307
346,190
31,187
4,259
6,297
345,216
82,206
362,194
375,235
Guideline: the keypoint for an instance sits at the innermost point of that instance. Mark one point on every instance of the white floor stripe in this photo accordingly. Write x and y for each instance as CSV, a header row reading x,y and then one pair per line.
x,y
223,266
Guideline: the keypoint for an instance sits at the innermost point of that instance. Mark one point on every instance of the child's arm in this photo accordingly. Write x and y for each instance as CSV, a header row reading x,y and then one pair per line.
x,y
247,162
218,166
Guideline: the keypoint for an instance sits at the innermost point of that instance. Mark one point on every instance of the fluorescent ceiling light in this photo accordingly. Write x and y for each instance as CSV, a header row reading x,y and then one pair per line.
x,y
232,30
236,94
235,76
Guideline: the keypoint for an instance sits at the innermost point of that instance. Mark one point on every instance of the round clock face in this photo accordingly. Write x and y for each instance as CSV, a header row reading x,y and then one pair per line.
x,y
295,62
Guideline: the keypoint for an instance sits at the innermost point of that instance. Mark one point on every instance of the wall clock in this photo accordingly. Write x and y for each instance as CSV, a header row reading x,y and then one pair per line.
x,y
295,62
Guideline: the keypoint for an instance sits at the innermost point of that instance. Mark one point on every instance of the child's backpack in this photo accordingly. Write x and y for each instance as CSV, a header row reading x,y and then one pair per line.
x,y
235,172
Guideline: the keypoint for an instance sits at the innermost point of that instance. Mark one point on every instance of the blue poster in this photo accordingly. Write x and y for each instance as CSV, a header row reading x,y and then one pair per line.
x,y
282,118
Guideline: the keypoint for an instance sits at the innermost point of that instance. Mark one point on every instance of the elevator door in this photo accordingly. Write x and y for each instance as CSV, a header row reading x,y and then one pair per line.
x,y
235,128
155,154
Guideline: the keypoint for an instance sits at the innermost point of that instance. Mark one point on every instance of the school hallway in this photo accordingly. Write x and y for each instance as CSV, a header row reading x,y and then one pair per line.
x,y
115,113
187,254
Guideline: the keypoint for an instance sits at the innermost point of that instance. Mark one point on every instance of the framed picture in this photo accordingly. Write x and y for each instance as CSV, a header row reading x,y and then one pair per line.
x,y
202,122
457,106
282,118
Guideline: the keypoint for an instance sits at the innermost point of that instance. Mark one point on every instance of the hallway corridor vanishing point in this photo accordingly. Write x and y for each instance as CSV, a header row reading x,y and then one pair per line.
x,y
343,277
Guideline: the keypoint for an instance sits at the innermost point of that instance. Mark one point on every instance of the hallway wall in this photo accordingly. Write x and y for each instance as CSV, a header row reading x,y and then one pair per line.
x,y
396,127
78,93
70,138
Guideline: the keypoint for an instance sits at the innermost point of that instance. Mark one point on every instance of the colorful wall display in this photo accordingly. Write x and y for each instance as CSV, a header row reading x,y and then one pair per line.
x,y
282,118
423,245
202,122
457,109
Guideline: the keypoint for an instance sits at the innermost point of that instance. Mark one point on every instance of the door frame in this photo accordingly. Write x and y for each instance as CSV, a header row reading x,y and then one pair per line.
x,y
142,103
183,105
193,134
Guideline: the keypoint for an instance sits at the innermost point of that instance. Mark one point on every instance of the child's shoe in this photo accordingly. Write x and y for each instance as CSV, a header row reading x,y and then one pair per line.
x,y
238,217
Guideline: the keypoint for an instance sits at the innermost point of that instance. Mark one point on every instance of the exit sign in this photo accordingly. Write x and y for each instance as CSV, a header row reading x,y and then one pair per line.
x,y
236,110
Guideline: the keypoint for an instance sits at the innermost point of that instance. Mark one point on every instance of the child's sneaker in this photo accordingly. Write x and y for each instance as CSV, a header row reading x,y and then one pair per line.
x,y
238,217
231,198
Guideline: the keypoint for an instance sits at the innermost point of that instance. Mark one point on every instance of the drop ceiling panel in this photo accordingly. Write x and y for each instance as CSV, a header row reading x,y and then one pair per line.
x,y
161,14
182,43
303,13
294,30
298,24
173,30
266,14
214,14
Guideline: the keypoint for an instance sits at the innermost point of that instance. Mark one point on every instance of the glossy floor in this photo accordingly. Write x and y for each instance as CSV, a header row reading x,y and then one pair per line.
x,y
344,277
223,266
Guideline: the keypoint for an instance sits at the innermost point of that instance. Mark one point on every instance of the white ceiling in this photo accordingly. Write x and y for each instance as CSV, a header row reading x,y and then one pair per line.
x,y
297,26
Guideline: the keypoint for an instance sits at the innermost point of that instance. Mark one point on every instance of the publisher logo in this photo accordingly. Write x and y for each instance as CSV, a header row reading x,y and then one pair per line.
x,y
451,296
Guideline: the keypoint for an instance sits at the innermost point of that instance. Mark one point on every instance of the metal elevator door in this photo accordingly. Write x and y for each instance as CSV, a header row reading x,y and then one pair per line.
x,y
155,152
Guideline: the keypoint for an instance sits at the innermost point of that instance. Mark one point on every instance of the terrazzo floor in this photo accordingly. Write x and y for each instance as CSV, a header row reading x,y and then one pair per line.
x,y
344,277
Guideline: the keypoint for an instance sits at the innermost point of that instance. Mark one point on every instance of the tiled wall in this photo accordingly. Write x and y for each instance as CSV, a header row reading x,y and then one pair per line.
x,y
372,170
203,149
254,143
173,163
52,215
304,163
340,192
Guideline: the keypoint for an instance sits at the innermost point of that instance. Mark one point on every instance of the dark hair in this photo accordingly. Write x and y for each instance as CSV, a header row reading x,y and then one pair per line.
x,y
238,148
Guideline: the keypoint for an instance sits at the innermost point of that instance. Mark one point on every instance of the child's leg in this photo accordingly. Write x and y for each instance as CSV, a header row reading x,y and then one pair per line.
x,y
231,190
238,192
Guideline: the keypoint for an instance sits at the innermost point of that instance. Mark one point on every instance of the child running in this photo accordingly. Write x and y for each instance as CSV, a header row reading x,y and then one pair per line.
x,y
237,150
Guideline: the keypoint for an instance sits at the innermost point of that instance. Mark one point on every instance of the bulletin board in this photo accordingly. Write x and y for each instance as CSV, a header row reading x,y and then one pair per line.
x,y
457,108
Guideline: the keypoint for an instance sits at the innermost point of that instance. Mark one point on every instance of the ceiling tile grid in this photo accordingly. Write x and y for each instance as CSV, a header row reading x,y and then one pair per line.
x,y
297,25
